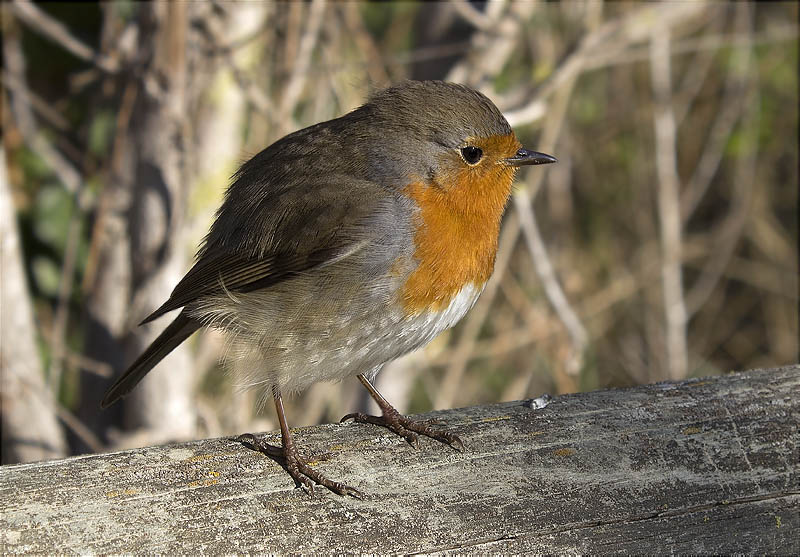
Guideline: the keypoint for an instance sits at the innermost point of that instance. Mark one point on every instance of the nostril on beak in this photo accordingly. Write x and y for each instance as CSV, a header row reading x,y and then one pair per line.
x,y
525,157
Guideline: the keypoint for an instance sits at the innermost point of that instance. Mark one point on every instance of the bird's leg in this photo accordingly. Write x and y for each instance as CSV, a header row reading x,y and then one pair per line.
x,y
400,424
298,468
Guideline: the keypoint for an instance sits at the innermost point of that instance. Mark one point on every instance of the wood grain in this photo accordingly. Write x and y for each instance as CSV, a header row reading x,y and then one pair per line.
x,y
704,465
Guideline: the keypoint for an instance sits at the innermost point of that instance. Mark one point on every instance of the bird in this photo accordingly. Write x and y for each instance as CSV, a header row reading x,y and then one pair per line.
x,y
345,245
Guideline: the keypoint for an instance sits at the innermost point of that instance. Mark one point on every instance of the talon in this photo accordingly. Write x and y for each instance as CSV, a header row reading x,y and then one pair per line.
x,y
248,438
403,425
410,437
353,492
407,428
304,476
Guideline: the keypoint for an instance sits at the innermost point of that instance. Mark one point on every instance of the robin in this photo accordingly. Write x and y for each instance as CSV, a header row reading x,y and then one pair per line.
x,y
347,244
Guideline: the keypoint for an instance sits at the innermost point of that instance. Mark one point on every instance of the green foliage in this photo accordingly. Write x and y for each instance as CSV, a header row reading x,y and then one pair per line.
x,y
52,209
101,133
46,273
378,16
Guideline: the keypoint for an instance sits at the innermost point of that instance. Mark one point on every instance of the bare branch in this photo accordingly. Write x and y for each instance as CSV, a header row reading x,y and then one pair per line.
x,y
779,34
256,96
56,31
45,109
523,203
29,428
79,429
297,80
733,102
668,203
101,369
607,41
70,177
473,16
546,273
23,116
65,283
375,66
621,287
492,47
743,178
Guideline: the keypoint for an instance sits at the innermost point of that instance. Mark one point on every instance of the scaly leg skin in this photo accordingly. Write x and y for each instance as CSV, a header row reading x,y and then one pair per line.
x,y
402,425
303,474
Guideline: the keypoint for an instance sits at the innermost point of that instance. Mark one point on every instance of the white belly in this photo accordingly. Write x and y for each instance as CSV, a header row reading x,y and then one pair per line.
x,y
334,351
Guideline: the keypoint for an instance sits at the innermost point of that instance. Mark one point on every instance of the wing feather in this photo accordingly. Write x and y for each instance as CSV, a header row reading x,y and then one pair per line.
x,y
236,273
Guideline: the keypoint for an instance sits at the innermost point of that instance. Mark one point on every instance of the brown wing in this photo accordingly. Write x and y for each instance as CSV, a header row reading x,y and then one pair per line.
x,y
232,272
276,240
291,208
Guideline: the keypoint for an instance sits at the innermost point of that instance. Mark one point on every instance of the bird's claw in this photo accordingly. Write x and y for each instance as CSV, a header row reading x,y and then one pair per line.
x,y
407,428
301,472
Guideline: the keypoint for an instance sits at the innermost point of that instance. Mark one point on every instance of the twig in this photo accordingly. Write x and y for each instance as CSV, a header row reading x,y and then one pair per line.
x,y
297,80
101,369
422,54
496,52
621,287
376,69
50,115
104,204
65,283
668,203
546,273
78,428
257,98
779,34
58,33
743,179
609,40
15,62
520,337
733,102
492,47
519,300
45,109
68,418
473,16
693,79
220,49
523,203
21,110
332,96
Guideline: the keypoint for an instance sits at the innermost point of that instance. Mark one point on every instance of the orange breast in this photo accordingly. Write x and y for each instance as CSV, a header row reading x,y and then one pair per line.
x,y
456,232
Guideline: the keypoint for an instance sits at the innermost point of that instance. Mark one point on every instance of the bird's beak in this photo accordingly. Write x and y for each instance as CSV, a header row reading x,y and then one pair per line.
x,y
525,157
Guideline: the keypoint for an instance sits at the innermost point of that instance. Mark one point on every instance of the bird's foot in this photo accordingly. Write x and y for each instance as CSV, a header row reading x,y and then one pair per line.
x,y
407,428
301,472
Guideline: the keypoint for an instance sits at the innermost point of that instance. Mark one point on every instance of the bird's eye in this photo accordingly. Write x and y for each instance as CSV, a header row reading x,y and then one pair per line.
x,y
471,154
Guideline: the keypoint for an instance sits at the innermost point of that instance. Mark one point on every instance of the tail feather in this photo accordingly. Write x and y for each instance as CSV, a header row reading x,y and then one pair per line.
x,y
177,331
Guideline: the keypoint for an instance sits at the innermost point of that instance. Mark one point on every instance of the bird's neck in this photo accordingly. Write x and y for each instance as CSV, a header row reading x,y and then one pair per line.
x,y
455,237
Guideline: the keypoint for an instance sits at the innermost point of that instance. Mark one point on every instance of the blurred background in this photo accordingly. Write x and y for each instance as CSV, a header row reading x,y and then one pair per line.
x,y
662,246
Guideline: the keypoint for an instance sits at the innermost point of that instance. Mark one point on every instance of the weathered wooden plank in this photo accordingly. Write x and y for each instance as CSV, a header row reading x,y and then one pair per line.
x,y
698,466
